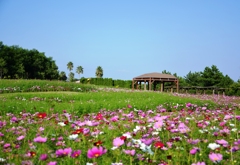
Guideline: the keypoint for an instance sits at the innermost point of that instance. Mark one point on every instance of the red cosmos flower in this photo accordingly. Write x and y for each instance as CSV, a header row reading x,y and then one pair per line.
x,y
159,144
99,116
123,138
78,131
66,122
32,153
98,143
41,115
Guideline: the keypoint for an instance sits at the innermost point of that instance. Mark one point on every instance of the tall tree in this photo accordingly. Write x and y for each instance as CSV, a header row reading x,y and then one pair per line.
x,y
99,72
2,67
71,76
62,76
166,72
79,70
193,79
211,76
226,82
70,66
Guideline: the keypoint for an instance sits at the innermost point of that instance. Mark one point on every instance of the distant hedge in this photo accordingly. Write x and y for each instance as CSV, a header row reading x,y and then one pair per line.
x,y
107,82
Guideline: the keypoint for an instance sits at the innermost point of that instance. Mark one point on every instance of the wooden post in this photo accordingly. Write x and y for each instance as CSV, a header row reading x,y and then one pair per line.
x,y
150,83
144,84
161,86
213,92
171,89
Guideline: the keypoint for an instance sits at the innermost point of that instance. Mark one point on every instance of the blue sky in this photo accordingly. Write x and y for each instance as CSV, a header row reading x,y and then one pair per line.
x,y
128,38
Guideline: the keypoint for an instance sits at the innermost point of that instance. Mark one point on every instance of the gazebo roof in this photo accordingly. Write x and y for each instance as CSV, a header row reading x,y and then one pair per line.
x,y
156,75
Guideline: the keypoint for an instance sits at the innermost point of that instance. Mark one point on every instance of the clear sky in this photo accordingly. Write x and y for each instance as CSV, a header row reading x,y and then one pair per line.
x,y
128,38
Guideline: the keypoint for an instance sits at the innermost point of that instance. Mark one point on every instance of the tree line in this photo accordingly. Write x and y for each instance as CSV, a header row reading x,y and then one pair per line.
x,y
20,63
16,62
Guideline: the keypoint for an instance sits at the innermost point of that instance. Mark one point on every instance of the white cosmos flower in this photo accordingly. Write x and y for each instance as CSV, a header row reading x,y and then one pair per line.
x,y
232,125
213,146
136,141
61,124
127,135
137,128
146,148
113,148
73,137
155,133
2,160
234,130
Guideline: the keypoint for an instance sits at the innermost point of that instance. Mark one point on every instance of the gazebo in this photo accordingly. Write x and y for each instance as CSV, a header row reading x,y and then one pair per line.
x,y
153,79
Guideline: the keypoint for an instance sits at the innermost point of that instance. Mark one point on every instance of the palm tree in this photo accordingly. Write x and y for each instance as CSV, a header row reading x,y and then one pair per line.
x,y
70,66
79,70
99,72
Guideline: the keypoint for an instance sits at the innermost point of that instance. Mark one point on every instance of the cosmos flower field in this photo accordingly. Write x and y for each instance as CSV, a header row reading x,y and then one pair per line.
x,y
177,129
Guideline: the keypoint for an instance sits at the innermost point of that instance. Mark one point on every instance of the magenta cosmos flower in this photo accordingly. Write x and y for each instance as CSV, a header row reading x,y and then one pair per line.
x,y
215,157
75,154
40,139
96,152
63,152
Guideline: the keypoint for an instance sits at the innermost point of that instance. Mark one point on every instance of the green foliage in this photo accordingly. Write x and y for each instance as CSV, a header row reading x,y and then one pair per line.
x,y
193,79
62,76
71,76
16,62
99,72
211,76
70,66
79,70
234,89
89,102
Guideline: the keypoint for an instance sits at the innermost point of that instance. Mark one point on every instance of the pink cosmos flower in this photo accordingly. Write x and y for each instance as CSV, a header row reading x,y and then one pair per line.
x,y
129,152
43,157
21,137
41,129
215,157
14,119
188,105
40,139
63,152
183,128
129,106
96,152
75,154
158,124
199,163
52,163
114,118
6,145
194,150
222,142
118,142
